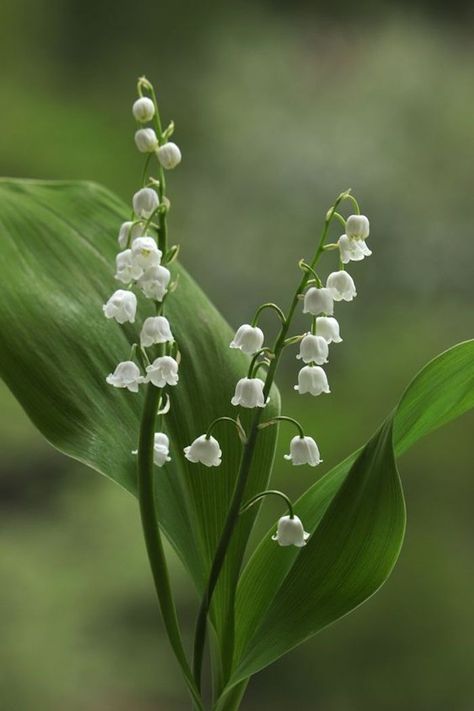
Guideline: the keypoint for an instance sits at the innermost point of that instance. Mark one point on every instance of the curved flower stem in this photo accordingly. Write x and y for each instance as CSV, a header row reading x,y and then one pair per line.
x,y
275,308
236,423
282,418
244,470
152,534
268,492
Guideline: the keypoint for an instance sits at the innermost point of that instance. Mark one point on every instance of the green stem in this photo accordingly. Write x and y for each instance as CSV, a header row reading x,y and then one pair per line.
x,y
283,418
245,466
268,492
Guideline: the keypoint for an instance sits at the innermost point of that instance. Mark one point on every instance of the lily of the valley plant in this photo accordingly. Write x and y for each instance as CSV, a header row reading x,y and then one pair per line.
x,y
185,414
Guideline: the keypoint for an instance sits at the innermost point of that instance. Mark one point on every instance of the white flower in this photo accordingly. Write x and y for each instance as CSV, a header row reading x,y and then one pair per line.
x,y
122,306
328,328
145,252
352,250
169,155
127,270
312,379
303,450
146,140
128,229
249,393
145,202
248,338
357,227
143,109
155,329
290,532
163,371
341,285
161,449
126,375
314,349
154,282
205,450
318,301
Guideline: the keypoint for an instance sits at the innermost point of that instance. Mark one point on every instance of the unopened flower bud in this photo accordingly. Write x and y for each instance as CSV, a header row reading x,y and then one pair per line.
x,y
127,270
169,155
290,532
341,285
312,379
154,282
161,449
126,375
357,227
163,371
303,450
145,252
155,329
249,393
145,202
205,450
314,349
352,250
146,140
122,306
143,109
328,328
129,230
248,338
318,301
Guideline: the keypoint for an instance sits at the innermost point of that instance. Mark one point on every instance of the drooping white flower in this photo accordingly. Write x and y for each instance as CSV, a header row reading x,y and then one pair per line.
x,y
304,450
161,449
143,109
318,301
126,375
248,338
341,285
127,270
352,250
146,140
357,227
163,371
249,393
128,229
205,450
145,202
169,155
155,329
122,306
328,328
312,379
154,282
290,532
314,349
145,252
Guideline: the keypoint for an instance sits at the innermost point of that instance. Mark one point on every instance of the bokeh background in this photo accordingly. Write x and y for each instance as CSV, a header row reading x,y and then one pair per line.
x,y
278,106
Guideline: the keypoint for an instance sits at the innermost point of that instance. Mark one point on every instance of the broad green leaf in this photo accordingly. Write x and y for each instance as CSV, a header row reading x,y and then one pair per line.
x,y
58,246
356,516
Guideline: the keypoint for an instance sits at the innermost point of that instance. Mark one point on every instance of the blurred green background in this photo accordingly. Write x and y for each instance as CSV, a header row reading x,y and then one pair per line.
x,y
278,106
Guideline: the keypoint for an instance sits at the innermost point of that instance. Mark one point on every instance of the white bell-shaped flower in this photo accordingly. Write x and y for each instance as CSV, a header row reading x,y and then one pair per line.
x,y
143,109
248,338
169,155
357,227
313,349
328,328
126,375
161,449
122,306
145,252
341,285
129,230
352,250
163,371
126,269
205,450
304,450
318,301
155,329
146,140
290,532
249,393
145,202
312,379
154,282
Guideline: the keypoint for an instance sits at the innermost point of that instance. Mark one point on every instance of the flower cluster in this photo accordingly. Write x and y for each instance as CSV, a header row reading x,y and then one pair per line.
x,y
142,266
